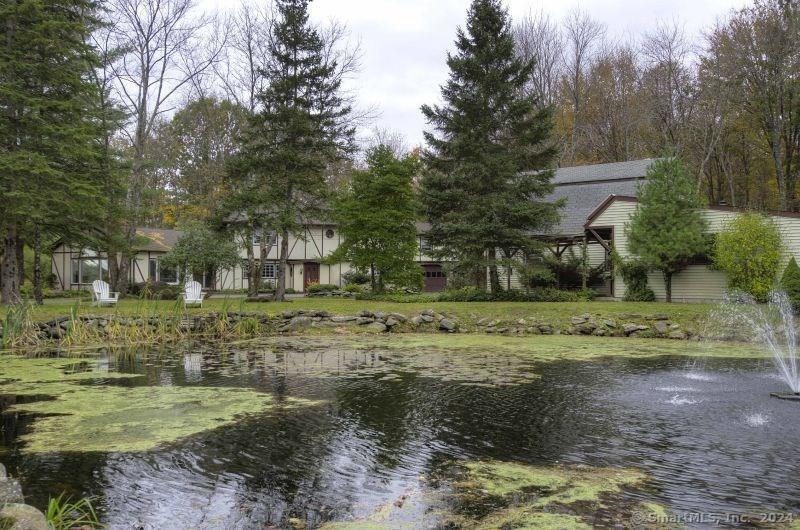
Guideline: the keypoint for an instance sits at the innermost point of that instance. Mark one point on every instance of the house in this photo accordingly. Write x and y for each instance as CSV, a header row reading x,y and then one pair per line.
x,y
698,282
76,267
307,250
583,188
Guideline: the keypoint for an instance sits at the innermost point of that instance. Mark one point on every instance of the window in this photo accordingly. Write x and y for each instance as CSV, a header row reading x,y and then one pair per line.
x,y
329,233
269,271
167,274
272,237
157,273
88,267
434,274
424,245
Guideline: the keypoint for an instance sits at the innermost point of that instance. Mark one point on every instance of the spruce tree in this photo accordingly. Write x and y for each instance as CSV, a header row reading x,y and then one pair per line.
x,y
667,230
489,158
302,128
790,283
376,219
47,135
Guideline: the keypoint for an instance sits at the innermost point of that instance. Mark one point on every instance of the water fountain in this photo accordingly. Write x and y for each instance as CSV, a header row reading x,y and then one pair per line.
x,y
772,325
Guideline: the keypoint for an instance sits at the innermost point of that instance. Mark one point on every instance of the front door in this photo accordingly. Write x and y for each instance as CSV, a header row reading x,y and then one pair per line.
x,y
311,273
435,280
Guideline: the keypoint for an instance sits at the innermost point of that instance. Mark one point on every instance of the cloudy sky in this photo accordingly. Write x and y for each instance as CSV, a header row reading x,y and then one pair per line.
x,y
405,42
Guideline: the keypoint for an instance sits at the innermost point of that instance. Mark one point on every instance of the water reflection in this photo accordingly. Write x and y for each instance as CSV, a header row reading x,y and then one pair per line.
x,y
709,435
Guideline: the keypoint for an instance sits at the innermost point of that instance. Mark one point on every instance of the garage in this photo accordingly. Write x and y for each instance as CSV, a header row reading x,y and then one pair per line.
x,y
435,279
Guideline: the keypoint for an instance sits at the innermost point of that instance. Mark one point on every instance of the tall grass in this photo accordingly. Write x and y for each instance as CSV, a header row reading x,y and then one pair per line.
x,y
63,513
19,329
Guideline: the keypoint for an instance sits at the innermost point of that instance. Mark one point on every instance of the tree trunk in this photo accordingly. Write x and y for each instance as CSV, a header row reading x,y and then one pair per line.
x,y
585,263
20,249
480,278
372,284
280,289
494,276
668,285
123,273
263,252
10,268
252,277
37,265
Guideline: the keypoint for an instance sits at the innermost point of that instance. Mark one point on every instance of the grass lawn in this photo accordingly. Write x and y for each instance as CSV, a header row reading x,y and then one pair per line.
x,y
690,316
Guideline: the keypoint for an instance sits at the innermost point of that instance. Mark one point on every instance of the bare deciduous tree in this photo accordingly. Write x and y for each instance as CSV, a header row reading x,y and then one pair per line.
x,y
538,38
582,35
668,82
166,49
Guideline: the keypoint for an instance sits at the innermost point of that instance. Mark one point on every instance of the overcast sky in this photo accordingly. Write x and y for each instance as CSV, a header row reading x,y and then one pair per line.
x,y
405,42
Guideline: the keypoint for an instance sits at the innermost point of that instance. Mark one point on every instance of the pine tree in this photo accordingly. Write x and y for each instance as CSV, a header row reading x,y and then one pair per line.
x,y
667,230
489,156
790,283
376,219
300,130
47,138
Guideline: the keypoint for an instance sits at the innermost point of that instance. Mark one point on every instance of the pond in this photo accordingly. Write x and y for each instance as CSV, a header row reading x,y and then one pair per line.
x,y
411,432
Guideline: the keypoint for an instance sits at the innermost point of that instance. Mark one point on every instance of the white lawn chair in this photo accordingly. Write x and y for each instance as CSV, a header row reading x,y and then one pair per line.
x,y
101,295
193,294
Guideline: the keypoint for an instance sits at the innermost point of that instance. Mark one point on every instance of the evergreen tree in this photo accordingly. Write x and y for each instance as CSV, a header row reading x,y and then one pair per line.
x,y
302,127
48,149
667,230
790,282
489,156
376,219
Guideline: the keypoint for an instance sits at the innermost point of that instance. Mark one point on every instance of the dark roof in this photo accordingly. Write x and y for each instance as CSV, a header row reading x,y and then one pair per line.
x,y
632,169
584,187
156,239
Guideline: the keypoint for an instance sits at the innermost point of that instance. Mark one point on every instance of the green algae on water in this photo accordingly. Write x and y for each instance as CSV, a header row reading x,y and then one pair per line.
x,y
72,415
569,497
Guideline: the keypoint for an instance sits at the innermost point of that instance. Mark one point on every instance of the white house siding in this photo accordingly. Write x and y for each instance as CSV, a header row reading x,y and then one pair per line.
x,y
697,283
310,247
62,266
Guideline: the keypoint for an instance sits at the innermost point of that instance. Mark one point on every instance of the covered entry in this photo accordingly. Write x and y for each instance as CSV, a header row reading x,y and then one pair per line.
x,y
435,279
311,273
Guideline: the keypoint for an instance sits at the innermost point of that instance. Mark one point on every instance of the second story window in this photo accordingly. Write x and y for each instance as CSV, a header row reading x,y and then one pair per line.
x,y
272,237
425,245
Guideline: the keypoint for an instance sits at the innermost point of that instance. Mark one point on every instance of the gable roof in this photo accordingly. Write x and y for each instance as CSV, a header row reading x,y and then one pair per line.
x,y
156,239
611,199
584,187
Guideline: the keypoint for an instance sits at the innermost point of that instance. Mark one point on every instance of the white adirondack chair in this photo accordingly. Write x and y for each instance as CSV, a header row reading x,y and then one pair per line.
x,y
101,295
193,294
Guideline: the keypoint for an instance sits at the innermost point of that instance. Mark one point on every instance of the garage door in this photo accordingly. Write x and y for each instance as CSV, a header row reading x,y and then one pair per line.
x,y
435,280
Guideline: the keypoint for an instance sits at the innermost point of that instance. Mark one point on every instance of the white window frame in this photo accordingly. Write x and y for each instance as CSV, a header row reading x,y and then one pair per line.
x,y
264,270
272,234
157,279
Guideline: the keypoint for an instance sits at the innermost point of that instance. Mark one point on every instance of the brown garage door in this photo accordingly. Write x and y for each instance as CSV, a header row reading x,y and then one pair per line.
x,y
435,280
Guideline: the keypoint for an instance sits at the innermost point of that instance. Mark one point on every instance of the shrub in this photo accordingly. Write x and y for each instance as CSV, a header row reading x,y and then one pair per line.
x,y
790,282
353,288
749,250
320,287
354,276
471,294
567,270
157,290
634,274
